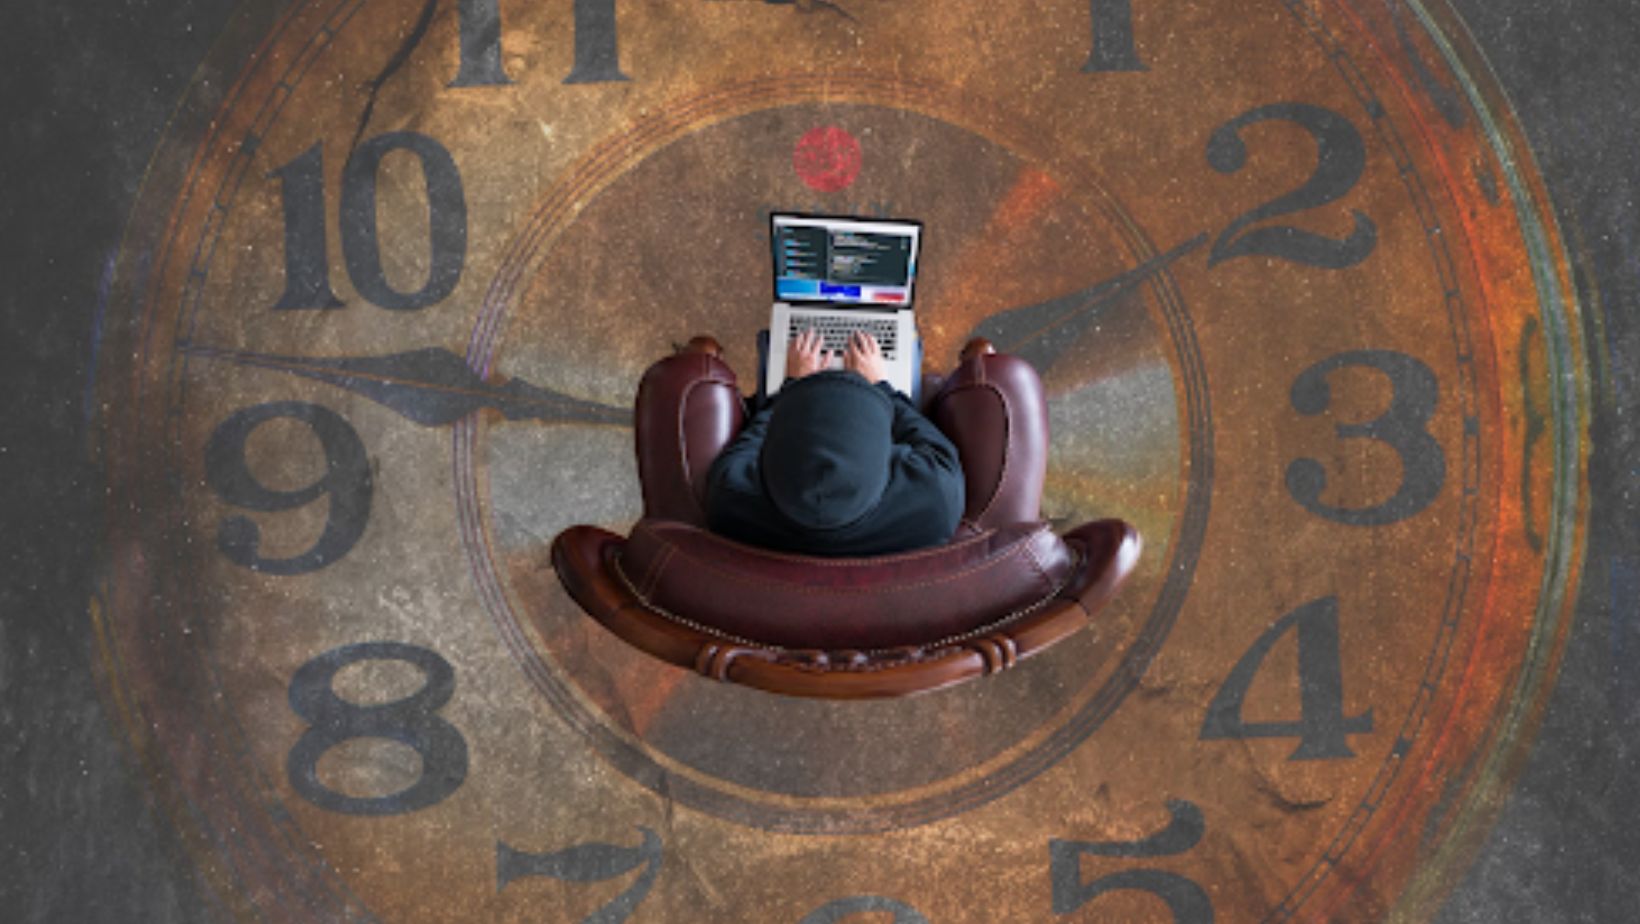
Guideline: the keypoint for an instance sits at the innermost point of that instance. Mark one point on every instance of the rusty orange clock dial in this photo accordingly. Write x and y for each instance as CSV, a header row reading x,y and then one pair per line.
x,y
1286,269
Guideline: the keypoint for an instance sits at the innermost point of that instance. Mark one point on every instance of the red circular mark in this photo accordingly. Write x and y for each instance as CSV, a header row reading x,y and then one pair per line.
x,y
827,158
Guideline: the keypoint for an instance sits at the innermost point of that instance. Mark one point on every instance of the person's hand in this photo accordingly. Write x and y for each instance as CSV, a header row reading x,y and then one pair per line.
x,y
803,355
865,357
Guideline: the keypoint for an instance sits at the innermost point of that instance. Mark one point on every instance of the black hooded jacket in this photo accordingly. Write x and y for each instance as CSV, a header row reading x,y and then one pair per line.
x,y
837,466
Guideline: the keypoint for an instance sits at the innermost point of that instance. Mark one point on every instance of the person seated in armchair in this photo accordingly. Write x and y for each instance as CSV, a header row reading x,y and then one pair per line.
x,y
838,463
996,585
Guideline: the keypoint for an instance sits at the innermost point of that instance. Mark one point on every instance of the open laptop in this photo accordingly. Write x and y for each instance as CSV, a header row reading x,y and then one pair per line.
x,y
839,275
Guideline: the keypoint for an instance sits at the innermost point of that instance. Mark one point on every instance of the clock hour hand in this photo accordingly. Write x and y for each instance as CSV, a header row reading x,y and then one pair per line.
x,y
432,386
1041,333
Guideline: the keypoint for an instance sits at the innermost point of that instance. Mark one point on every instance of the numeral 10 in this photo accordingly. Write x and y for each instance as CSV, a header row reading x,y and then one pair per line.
x,y
307,263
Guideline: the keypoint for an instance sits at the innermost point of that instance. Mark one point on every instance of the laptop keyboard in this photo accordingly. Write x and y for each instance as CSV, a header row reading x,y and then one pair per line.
x,y
835,331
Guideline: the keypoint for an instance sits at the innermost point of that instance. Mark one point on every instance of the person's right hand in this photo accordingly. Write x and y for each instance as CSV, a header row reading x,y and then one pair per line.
x,y
803,355
865,357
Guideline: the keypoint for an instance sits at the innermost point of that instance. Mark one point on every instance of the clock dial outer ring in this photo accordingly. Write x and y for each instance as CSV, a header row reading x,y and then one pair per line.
x,y
1431,846
217,804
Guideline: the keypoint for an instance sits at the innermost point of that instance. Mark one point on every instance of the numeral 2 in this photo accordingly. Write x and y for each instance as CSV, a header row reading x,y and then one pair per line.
x,y
1340,158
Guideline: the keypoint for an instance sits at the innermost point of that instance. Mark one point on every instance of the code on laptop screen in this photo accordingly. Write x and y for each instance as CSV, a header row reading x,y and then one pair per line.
x,y
844,261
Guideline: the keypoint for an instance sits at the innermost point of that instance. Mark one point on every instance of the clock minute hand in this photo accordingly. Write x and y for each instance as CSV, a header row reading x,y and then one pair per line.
x,y
432,386
1041,333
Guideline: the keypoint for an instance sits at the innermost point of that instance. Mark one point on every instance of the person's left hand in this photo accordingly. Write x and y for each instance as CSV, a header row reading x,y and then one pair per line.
x,y
803,354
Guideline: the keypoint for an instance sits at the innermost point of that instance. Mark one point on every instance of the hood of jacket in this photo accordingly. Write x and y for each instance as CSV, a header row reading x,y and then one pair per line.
x,y
826,459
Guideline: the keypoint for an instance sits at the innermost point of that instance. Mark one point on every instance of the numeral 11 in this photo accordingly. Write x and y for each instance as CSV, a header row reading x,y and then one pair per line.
x,y
597,50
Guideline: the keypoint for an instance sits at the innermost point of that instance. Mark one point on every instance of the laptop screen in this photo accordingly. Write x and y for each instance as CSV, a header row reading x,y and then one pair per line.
x,y
844,261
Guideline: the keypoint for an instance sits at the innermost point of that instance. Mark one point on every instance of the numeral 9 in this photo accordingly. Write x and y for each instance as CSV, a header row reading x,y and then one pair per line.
x,y
346,481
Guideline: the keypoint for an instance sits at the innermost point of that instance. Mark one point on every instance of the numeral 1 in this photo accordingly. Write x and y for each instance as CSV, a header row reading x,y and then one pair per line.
x,y
597,53
1113,48
307,257
480,45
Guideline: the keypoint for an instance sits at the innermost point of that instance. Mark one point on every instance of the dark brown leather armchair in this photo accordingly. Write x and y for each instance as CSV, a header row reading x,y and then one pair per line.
x,y
1004,588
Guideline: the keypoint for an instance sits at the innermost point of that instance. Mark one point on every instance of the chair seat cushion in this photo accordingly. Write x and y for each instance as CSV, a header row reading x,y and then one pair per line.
x,y
794,601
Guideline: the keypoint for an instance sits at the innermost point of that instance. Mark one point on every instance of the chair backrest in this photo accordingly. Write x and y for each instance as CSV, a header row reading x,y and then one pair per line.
x,y
794,601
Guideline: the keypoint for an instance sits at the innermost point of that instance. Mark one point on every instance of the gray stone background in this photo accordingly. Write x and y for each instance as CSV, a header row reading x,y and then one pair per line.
x,y
87,88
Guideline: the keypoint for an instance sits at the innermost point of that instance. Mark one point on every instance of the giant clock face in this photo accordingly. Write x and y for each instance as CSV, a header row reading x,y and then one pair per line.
x,y
1285,268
